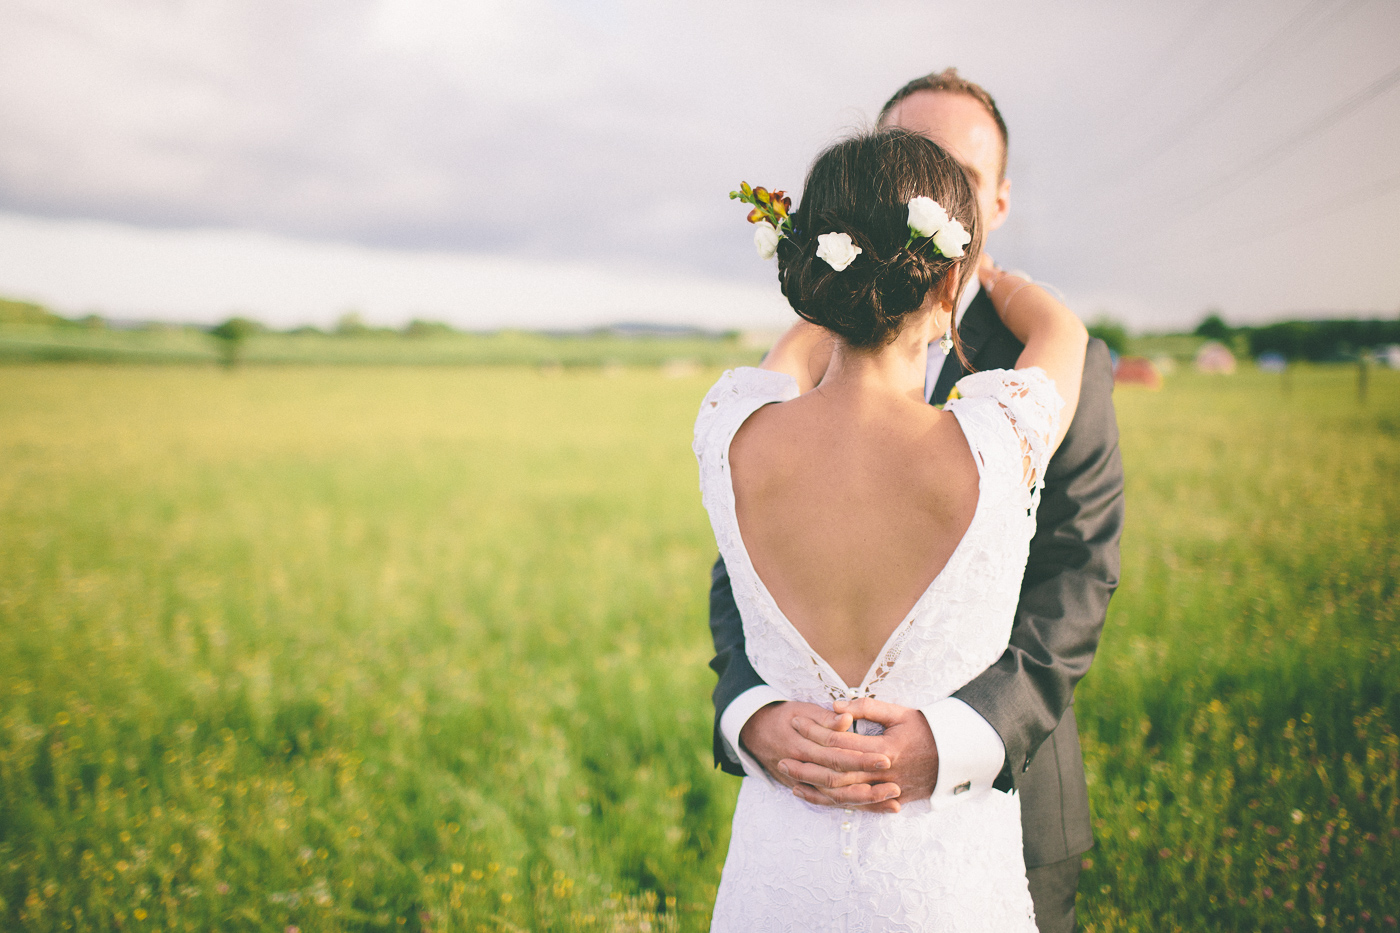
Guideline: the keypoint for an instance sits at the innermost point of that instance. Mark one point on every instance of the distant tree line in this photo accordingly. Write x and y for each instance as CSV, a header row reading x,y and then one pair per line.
x,y
1316,341
234,332
1111,333
28,314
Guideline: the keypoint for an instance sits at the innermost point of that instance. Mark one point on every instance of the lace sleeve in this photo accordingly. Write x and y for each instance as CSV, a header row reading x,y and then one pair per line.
x,y
737,394
1029,402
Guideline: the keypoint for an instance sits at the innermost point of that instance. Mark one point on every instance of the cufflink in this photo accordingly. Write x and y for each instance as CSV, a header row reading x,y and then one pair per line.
x,y
962,788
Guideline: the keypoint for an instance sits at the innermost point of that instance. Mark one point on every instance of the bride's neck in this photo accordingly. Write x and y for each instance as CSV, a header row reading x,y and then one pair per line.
x,y
896,369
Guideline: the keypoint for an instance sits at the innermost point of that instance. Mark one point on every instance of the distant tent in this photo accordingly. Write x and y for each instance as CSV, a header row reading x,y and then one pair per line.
x,y
1215,357
1137,371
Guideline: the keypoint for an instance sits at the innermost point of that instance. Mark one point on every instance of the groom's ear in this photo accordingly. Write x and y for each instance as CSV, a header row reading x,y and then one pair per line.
x,y
1002,208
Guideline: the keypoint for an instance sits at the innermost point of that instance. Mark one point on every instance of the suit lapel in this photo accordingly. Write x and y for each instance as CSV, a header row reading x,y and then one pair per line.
x,y
978,324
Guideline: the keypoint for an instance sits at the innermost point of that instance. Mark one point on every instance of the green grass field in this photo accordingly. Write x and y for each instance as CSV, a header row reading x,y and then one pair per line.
x,y
342,648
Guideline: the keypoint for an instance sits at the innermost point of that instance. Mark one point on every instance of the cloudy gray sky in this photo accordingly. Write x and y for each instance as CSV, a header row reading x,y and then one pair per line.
x,y
555,162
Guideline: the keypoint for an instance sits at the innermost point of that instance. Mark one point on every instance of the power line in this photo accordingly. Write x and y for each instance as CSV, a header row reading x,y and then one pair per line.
x,y
1282,149
1372,191
1195,25
1168,139
1361,195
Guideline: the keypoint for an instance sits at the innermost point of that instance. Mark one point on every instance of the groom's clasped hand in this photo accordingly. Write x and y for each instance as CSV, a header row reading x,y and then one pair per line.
x,y
815,752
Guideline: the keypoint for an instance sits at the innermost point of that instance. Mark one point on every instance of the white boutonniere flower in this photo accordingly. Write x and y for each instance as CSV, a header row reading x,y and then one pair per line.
x,y
951,238
926,216
765,238
837,249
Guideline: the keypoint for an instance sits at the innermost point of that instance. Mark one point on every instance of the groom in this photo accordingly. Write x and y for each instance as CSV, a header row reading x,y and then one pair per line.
x,y
1013,726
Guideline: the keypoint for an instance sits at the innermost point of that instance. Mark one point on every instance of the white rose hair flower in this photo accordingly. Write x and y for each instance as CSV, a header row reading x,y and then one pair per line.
x,y
951,238
837,249
926,216
770,217
765,239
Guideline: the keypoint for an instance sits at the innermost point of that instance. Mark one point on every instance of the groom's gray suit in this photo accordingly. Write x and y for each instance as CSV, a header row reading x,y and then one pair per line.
x,y
1028,694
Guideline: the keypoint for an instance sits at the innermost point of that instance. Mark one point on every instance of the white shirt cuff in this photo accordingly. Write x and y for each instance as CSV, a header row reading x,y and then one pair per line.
x,y
736,714
970,753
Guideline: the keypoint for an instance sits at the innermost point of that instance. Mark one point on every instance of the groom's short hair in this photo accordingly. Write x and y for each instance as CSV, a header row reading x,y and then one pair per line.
x,y
953,83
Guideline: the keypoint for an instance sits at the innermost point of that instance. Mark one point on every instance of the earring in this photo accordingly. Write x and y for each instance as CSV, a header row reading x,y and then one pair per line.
x,y
945,343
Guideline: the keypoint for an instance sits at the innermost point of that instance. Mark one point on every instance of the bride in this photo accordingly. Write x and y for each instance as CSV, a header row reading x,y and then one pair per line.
x,y
875,543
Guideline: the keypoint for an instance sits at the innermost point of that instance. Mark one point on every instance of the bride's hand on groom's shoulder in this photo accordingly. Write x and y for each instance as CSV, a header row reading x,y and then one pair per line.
x,y
989,274
907,743
987,270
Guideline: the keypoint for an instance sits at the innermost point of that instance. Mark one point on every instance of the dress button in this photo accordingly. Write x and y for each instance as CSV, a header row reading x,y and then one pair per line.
x,y
848,812
846,827
846,852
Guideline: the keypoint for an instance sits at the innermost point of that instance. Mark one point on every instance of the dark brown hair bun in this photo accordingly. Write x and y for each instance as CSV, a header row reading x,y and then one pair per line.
x,y
862,187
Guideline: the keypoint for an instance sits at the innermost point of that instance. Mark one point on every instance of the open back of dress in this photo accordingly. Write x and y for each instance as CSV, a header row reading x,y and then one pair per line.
x,y
795,866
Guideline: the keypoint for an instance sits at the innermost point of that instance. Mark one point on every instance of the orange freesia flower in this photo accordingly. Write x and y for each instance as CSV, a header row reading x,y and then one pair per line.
x,y
770,207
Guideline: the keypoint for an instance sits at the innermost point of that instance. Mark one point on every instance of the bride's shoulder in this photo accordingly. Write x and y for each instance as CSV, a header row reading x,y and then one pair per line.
x,y
1014,409
1001,383
738,393
746,387
1025,392
744,382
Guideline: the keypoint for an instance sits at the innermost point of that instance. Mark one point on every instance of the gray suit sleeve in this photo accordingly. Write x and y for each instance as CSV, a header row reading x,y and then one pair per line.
x,y
1072,571
730,662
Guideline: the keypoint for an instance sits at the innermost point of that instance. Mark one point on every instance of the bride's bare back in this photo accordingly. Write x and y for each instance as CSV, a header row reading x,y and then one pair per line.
x,y
849,508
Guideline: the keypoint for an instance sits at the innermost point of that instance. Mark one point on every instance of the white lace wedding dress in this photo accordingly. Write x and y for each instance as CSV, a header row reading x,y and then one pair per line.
x,y
806,869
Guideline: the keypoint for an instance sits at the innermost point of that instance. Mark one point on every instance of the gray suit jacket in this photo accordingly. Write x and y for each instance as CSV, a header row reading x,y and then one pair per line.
x,y
1028,694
